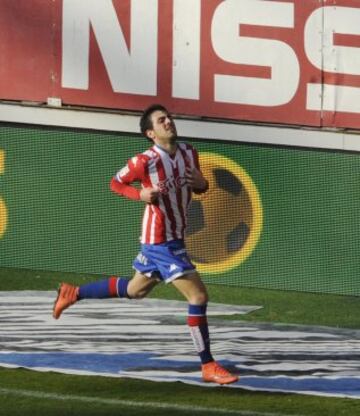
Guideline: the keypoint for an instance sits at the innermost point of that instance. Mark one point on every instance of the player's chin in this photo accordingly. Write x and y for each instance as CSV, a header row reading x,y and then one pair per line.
x,y
173,137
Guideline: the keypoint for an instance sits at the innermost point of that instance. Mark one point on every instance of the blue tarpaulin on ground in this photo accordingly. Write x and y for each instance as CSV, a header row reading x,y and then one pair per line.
x,y
149,340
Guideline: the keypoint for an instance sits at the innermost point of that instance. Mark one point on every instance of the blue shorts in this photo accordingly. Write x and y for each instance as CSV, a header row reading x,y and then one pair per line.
x,y
166,261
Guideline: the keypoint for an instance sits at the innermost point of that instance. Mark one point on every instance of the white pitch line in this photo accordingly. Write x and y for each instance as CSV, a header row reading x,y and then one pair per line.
x,y
130,403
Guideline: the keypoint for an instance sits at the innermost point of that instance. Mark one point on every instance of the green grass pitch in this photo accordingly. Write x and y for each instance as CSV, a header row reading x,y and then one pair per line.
x,y
24,392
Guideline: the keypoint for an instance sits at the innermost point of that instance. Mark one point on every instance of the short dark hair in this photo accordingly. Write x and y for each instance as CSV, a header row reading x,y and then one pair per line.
x,y
145,120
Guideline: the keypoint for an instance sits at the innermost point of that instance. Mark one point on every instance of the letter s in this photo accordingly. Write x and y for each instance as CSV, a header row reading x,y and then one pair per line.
x,y
279,56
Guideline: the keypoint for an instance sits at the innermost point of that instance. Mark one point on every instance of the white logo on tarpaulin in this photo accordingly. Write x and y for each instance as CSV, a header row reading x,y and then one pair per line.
x,y
173,267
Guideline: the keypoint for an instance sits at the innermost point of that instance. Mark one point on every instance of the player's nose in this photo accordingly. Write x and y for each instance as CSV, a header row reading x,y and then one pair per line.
x,y
170,123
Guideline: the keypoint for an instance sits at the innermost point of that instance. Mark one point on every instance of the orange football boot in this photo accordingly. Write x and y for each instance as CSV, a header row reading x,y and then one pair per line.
x,y
67,295
213,372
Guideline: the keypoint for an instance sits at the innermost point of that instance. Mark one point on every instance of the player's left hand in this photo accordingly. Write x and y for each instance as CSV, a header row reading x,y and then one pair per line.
x,y
150,195
196,180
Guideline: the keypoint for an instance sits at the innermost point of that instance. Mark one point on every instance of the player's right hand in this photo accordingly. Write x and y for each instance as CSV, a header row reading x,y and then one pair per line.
x,y
149,195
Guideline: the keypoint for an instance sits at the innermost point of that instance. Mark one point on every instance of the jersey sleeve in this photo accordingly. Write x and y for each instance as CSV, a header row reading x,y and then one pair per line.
x,y
131,173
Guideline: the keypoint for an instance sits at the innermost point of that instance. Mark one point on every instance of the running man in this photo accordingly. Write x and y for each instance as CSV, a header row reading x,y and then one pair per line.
x,y
169,173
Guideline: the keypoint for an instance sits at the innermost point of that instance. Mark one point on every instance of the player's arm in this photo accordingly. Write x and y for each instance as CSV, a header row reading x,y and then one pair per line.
x,y
122,182
197,181
195,178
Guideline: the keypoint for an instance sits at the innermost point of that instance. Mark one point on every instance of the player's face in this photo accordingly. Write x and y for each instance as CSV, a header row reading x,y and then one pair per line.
x,y
163,128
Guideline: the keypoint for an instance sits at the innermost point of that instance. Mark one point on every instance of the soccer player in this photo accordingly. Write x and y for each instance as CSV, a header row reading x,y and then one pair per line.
x,y
169,173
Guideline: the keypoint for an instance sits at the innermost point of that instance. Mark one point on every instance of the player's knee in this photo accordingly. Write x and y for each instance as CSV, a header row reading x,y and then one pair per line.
x,y
139,294
199,298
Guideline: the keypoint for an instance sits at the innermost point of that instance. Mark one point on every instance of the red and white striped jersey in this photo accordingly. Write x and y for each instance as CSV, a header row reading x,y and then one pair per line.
x,y
166,219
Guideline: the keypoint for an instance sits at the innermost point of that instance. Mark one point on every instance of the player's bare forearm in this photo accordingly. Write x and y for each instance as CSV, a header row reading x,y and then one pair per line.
x,y
149,195
197,181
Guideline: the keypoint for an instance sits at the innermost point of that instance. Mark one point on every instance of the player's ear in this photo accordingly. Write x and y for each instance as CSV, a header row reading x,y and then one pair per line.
x,y
150,134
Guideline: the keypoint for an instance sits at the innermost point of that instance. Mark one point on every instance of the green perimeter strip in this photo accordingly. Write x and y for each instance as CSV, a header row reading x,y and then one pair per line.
x,y
130,403
57,212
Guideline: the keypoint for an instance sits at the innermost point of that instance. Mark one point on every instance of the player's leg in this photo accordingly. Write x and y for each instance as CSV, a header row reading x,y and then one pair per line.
x,y
68,294
138,287
194,290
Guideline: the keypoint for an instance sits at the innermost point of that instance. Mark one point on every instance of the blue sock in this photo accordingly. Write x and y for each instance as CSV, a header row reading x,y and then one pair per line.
x,y
199,330
108,288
